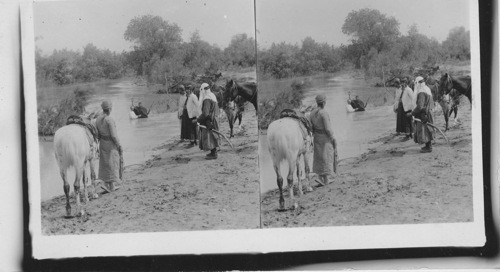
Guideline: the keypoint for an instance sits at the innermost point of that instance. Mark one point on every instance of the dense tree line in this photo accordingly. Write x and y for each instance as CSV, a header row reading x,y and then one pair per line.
x,y
159,55
376,46
282,60
67,66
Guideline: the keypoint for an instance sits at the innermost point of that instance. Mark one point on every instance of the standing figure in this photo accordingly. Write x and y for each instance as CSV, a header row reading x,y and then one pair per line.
x,y
190,114
208,117
110,150
180,112
420,86
423,111
325,143
404,98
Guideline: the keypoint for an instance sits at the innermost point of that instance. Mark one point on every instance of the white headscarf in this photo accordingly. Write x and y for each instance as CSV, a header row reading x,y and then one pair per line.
x,y
206,94
420,87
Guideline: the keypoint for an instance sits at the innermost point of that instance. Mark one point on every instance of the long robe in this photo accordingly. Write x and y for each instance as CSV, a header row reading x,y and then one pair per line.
x,y
404,98
208,139
323,146
423,132
109,158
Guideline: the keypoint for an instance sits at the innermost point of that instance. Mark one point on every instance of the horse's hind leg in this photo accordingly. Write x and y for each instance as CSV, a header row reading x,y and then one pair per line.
x,y
93,180
84,183
307,169
299,174
66,191
289,180
76,185
279,180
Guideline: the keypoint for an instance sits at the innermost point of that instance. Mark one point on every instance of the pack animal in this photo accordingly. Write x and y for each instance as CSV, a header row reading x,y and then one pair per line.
x,y
443,101
461,84
247,91
453,88
227,106
76,145
286,142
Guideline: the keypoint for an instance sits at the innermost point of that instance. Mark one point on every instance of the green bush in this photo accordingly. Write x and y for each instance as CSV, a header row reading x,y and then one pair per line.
x,y
290,98
52,117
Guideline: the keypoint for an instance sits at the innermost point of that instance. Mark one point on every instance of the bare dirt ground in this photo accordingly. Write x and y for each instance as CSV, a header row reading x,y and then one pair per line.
x,y
392,183
178,190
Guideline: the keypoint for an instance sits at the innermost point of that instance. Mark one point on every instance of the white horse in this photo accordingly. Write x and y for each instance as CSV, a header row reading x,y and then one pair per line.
x,y
74,146
286,142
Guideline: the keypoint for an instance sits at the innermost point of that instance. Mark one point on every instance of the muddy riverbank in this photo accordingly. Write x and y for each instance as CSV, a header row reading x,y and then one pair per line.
x,y
392,183
176,190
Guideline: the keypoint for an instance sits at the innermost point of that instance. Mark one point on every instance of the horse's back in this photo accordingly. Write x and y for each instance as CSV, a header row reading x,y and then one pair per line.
x,y
71,145
284,139
250,85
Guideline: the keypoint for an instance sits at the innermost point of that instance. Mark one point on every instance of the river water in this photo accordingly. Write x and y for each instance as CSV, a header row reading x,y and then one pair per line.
x,y
138,137
353,131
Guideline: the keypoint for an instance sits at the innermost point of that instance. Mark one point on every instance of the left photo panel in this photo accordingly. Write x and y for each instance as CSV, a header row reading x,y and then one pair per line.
x,y
138,124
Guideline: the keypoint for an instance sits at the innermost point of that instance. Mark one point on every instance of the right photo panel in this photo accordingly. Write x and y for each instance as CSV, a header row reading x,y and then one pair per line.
x,y
368,113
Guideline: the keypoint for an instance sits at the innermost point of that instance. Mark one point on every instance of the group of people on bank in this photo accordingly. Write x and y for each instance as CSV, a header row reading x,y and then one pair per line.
x,y
414,112
194,111
198,120
198,117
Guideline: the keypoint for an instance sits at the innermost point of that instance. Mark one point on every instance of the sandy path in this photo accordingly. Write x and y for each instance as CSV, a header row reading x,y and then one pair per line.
x,y
177,190
393,183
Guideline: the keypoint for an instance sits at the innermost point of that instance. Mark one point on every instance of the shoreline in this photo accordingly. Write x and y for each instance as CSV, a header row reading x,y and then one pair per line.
x,y
391,183
174,190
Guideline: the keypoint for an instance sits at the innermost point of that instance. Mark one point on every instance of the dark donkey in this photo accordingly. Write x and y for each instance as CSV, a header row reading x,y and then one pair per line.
x,y
247,91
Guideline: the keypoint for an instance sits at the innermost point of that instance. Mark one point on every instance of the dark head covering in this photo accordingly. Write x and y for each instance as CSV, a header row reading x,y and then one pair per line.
x,y
181,88
320,98
106,105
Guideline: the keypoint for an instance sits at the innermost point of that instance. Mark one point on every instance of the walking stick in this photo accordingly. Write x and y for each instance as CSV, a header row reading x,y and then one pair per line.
x,y
202,126
435,128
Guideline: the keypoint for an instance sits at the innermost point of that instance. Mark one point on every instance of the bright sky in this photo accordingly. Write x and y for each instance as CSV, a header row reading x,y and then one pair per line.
x,y
293,20
73,24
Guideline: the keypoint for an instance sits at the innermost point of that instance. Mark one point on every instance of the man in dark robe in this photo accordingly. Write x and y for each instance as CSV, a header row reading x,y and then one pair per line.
x,y
357,104
208,140
141,111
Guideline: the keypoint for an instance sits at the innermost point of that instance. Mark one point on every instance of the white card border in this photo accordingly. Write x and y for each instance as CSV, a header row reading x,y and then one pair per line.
x,y
247,241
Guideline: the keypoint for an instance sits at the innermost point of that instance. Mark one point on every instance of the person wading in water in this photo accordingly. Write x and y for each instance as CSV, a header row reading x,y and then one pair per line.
x,y
325,143
141,111
208,140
